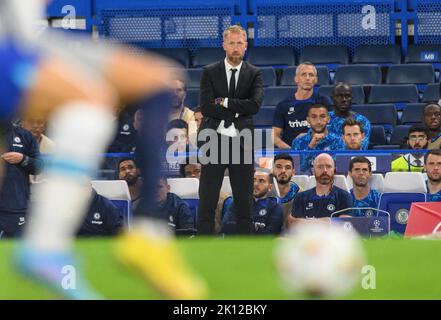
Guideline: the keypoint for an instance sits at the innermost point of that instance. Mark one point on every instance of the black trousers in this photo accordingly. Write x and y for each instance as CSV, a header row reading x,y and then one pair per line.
x,y
11,224
241,178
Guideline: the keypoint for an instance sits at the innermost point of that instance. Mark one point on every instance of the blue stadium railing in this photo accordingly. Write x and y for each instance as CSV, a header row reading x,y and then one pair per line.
x,y
296,23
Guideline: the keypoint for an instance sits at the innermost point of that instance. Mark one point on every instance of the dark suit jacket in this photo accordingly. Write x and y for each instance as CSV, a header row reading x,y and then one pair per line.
x,y
246,102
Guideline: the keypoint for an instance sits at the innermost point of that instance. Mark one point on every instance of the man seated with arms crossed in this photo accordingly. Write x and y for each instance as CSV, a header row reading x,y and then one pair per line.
x,y
290,115
342,98
317,138
360,170
353,134
267,216
283,171
413,162
432,166
324,199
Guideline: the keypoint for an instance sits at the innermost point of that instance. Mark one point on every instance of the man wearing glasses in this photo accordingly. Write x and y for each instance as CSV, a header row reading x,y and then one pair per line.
x,y
417,139
432,120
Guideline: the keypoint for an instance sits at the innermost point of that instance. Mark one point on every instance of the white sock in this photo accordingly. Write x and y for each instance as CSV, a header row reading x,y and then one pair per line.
x,y
81,132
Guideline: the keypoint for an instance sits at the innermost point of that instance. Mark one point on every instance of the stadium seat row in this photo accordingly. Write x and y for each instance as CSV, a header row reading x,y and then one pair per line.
x,y
401,95
325,55
420,74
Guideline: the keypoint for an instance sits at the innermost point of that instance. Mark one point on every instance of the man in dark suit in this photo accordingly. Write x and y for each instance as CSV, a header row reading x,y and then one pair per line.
x,y
231,93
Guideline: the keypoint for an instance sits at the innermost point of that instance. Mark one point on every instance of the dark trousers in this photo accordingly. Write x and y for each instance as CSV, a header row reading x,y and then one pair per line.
x,y
11,224
241,179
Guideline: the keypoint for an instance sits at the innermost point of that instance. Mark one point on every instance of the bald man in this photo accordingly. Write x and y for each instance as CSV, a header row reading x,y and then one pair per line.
x,y
325,198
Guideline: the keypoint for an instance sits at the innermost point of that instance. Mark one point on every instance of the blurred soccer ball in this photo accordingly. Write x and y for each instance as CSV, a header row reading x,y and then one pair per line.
x,y
320,260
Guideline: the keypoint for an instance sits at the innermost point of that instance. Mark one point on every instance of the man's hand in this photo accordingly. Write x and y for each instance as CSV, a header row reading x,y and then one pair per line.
x,y
316,138
13,157
219,101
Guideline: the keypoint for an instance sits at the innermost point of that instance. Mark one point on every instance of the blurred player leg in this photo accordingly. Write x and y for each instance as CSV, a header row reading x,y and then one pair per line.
x,y
150,248
81,125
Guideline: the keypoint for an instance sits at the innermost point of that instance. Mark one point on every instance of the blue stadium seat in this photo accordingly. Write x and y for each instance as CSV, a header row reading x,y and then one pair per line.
x,y
271,56
377,54
400,190
431,93
180,55
269,76
274,95
423,53
289,73
264,118
411,73
357,93
204,56
358,74
381,114
192,98
194,77
413,113
332,56
378,136
399,135
398,205
399,94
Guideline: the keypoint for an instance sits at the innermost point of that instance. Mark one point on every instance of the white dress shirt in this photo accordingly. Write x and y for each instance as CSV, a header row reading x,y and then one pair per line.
x,y
231,131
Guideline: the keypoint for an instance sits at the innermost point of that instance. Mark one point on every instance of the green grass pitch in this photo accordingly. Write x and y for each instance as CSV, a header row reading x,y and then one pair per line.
x,y
242,268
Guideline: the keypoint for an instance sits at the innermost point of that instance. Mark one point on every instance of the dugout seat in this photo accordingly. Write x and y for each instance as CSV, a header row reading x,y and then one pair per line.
x,y
399,135
192,98
358,74
268,76
401,189
271,56
274,95
117,191
188,190
194,77
377,54
431,93
332,56
413,113
398,94
204,56
180,55
301,181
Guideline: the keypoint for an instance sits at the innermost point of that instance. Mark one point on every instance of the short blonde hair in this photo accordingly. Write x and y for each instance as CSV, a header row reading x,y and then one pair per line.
x,y
234,29
306,64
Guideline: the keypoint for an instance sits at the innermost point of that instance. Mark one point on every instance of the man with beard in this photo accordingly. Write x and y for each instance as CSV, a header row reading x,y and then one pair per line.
x,y
353,134
267,216
231,93
317,138
432,120
413,162
325,198
360,170
342,98
128,171
432,166
290,114
283,170
179,111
